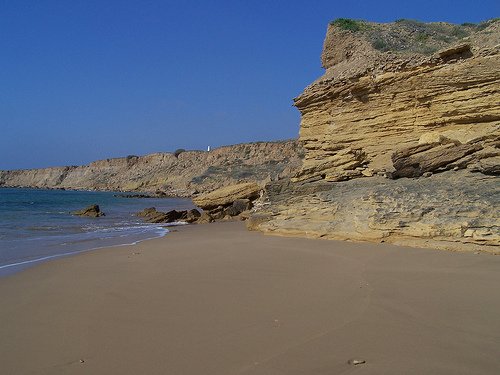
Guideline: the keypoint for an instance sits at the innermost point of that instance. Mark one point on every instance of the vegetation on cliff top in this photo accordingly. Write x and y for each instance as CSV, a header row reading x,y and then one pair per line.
x,y
348,24
410,36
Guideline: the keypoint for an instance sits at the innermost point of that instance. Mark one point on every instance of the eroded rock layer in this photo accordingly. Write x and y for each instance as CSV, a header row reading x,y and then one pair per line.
x,y
387,117
451,210
184,175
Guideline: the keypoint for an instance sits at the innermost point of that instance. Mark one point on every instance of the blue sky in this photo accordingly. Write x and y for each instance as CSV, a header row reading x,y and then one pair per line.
x,y
82,80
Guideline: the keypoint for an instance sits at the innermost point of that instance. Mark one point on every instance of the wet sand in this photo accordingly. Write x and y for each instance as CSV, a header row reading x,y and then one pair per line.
x,y
216,299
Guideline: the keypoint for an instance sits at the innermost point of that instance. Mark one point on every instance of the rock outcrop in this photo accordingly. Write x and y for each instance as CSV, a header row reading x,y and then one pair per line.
x,y
91,211
407,114
228,202
187,173
227,195
454,210
388,108
152,215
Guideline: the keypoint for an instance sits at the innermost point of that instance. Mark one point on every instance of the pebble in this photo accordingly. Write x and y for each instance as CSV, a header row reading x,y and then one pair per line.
x,y
355,362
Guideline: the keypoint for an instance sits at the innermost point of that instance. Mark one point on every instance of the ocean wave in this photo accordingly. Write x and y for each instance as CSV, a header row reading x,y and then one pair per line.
x,y
74,234
68,253
175,223
43,228
37,225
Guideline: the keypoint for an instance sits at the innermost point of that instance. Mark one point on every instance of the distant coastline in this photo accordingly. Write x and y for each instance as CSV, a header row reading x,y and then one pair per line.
x,y
173,175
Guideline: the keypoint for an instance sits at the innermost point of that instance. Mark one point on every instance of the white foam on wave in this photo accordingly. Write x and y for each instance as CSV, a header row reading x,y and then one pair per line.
x,y
161,231
175,224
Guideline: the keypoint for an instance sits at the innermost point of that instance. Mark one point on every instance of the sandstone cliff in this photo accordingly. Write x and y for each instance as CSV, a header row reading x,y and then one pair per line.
x,y
190,171
398,101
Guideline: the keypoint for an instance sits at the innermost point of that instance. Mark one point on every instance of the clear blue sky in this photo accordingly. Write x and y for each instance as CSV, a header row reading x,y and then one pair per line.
x,y
82,80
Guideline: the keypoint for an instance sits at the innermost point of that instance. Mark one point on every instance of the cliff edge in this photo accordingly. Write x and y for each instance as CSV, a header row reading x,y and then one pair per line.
x,y
182,174
401,137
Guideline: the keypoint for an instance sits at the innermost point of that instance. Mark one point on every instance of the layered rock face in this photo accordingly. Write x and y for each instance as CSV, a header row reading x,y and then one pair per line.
x,y
385,116
454,210
190,172
227,195
398,113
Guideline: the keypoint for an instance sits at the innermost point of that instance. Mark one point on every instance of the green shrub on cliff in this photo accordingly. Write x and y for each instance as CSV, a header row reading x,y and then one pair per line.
x,y
483,25
415,24
380,45
347,24
178,152
412,36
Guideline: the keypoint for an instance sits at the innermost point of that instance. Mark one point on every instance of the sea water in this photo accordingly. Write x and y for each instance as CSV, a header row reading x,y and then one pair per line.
x,y
37,225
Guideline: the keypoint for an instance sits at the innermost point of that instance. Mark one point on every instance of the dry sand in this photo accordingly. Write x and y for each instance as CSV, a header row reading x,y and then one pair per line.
x,y
216,299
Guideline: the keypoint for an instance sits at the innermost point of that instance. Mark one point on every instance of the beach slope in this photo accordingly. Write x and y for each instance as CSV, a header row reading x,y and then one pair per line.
x,y
217,299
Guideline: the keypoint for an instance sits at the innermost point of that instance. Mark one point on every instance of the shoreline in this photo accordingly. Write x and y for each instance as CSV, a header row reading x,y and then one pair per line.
x,y
218,299
99,191
39,225
36,261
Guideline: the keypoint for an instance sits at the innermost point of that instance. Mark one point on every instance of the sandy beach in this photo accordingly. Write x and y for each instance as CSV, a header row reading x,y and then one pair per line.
x,y
217,299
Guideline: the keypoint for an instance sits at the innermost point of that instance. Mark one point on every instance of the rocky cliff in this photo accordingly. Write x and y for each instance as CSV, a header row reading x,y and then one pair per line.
x,y
182,175
401,137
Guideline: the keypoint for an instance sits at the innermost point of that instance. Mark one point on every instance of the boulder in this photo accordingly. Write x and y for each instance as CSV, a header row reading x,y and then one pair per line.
x,y
152,215
254,221
227,195
174,215
488,166
417,160
90,211
245,215
192,216
217,213
238,206
146,212
205,218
